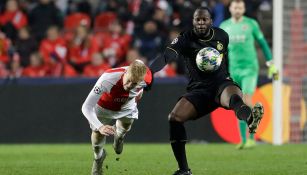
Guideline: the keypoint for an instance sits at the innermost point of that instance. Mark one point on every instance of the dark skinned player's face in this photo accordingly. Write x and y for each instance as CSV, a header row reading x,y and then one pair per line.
x,y
202,21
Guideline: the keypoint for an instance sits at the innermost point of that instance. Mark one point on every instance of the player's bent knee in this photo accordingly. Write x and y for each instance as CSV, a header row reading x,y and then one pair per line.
x,y
175,117
123,129
124,126
127,126
228,93
97,135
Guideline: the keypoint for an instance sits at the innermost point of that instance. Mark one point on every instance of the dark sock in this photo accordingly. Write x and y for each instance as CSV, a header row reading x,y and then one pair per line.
x,y
179,152
243,112
178,140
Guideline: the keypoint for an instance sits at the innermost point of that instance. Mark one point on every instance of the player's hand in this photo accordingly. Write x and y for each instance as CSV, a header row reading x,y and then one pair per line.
x,y
273,72
106,130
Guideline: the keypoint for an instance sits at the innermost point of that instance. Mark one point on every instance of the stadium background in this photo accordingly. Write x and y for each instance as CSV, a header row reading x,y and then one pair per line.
x,y
42,95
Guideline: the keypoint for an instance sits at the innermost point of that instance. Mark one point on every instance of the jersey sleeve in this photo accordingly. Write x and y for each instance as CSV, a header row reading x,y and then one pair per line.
x,y
176,45
258,35
170,53
88,107
256,30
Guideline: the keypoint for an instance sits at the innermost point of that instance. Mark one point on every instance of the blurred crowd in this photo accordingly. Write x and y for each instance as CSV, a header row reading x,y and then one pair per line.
x,y
71,38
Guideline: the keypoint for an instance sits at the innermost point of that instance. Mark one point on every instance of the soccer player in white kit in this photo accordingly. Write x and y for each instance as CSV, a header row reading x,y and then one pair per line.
x,y
114,97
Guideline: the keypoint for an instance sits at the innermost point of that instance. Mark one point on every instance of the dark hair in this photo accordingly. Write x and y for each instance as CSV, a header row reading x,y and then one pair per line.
x,y
204,8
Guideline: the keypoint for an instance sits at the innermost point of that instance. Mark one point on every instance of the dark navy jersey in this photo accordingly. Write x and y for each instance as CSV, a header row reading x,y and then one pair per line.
x,y
187,45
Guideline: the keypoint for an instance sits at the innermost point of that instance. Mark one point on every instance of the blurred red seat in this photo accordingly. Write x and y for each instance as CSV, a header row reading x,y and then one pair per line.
x,y
103,20
74,20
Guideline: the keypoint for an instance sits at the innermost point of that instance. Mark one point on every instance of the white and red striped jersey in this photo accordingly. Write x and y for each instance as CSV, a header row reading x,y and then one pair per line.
x,y
110,94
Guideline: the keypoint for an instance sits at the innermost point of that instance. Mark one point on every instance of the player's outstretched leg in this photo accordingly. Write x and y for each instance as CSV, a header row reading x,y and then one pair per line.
x,y
231,97
257,113
243,112
122,126
99,153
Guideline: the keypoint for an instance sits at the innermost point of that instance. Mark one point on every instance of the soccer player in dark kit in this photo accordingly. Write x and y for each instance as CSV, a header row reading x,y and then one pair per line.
x,y
206,91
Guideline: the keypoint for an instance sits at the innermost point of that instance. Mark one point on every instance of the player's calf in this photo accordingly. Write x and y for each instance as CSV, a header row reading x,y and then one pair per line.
x,y
242,111
98,141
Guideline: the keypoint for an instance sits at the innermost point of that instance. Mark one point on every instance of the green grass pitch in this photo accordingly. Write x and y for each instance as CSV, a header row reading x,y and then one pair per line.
x,y
153,159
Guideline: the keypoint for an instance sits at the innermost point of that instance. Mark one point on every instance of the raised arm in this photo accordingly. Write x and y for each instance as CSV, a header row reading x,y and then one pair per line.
x,y
160,61
171,53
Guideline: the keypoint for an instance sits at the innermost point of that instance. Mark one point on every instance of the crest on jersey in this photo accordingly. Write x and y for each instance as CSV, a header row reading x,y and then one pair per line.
x,y
219,46
175,41
244,27
97,90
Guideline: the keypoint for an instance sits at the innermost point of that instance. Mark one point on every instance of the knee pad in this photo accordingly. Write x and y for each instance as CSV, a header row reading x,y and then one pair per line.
x,y
177,131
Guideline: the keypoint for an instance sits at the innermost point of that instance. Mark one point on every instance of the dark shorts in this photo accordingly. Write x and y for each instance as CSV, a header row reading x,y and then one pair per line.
x,y
206,100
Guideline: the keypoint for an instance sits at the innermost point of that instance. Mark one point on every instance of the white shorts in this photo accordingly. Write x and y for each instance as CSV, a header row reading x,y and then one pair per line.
x,y
106,116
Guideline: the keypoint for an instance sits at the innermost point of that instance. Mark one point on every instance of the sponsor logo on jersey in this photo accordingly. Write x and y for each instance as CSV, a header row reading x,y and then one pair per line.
x,y
219,46
237,39
122,100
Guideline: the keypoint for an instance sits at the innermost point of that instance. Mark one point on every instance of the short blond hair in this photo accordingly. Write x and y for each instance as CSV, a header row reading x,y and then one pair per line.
x,y
137,70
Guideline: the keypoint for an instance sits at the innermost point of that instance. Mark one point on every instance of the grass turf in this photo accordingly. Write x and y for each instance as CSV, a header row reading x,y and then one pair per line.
x,y
153,159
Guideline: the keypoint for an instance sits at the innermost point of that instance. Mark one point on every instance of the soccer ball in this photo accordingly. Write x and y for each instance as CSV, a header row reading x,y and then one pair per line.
x,y
208,59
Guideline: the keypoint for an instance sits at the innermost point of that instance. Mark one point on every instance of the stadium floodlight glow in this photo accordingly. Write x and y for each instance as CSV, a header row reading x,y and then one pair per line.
x,y
278,60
